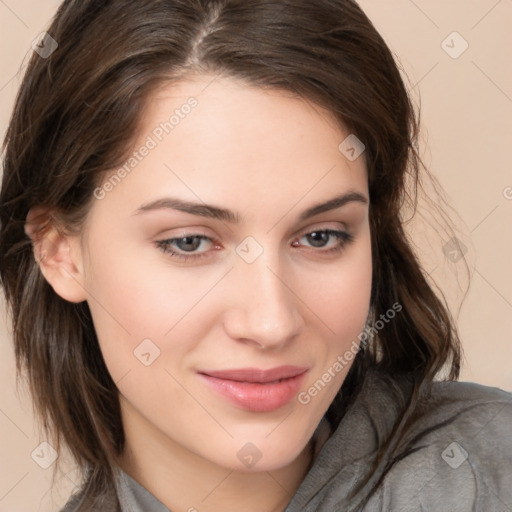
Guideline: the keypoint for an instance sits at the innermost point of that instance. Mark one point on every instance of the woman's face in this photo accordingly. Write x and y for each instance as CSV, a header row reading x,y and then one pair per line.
x,y
263,275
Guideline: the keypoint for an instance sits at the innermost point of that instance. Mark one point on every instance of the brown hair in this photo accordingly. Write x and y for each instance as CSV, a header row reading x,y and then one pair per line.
x,y
75,117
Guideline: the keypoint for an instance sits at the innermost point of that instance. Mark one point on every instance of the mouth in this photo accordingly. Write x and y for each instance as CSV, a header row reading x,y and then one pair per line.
x,y
255,389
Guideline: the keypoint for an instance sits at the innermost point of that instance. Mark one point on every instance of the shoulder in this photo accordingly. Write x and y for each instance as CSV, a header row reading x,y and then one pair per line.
x,y
81,502
72,504
456,453
467,408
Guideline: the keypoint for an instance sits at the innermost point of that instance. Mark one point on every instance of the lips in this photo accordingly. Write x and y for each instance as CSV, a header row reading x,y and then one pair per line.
x,y
255,389
256,375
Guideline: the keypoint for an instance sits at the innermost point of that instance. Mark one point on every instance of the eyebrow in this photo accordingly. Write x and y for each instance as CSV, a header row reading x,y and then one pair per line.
x,y
223,214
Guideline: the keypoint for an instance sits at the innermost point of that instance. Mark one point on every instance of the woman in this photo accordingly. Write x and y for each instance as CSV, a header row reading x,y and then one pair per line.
x,y
211,289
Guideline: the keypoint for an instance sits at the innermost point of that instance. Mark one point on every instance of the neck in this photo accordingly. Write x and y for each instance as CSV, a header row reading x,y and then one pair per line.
x,y
182,480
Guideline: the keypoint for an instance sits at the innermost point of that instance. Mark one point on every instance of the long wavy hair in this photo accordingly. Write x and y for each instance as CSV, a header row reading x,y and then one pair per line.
x,y
75,117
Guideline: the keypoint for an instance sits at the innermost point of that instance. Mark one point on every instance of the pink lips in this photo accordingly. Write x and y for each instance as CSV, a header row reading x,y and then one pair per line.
x,y
257,390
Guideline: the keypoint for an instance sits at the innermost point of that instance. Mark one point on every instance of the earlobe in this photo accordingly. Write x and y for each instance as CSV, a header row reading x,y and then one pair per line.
x,y
58,255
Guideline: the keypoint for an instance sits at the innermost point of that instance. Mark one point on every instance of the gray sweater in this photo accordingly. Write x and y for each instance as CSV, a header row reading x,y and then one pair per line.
x,y
451,452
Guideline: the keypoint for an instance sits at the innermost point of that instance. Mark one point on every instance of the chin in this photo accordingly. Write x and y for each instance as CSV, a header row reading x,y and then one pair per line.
x,y
262,454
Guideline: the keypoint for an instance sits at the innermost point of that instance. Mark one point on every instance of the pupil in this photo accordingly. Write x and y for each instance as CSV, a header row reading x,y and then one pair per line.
x,y
318,238
189,243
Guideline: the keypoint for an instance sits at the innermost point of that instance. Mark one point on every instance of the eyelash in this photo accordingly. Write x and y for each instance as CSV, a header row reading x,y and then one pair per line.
x,y
343,237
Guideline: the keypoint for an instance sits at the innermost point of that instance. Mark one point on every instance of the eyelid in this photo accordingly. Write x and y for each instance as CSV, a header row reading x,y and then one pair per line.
x,y
181,232
321,226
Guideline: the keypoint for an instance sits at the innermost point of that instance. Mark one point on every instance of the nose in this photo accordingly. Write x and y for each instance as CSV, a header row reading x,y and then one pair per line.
x,y
264,309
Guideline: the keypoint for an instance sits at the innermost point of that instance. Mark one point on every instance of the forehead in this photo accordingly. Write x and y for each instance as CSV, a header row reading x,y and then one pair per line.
x,y
232,109
222,141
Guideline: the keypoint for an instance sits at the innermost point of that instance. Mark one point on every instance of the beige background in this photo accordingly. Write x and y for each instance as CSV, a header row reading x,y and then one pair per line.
x,y
466,116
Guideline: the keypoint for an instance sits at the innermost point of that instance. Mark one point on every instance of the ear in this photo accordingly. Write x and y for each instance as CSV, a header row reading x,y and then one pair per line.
x,y
59,256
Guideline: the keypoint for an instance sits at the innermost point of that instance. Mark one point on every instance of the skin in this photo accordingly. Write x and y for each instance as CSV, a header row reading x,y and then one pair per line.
x,y
268,156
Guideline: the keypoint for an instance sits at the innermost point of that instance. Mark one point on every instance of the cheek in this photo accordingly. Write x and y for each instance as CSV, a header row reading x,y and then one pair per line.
x,y
127,305
135,299
341,301
340,294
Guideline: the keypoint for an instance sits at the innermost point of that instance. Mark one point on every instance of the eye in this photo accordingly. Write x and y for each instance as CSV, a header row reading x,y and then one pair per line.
x,y
333,239
186,246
